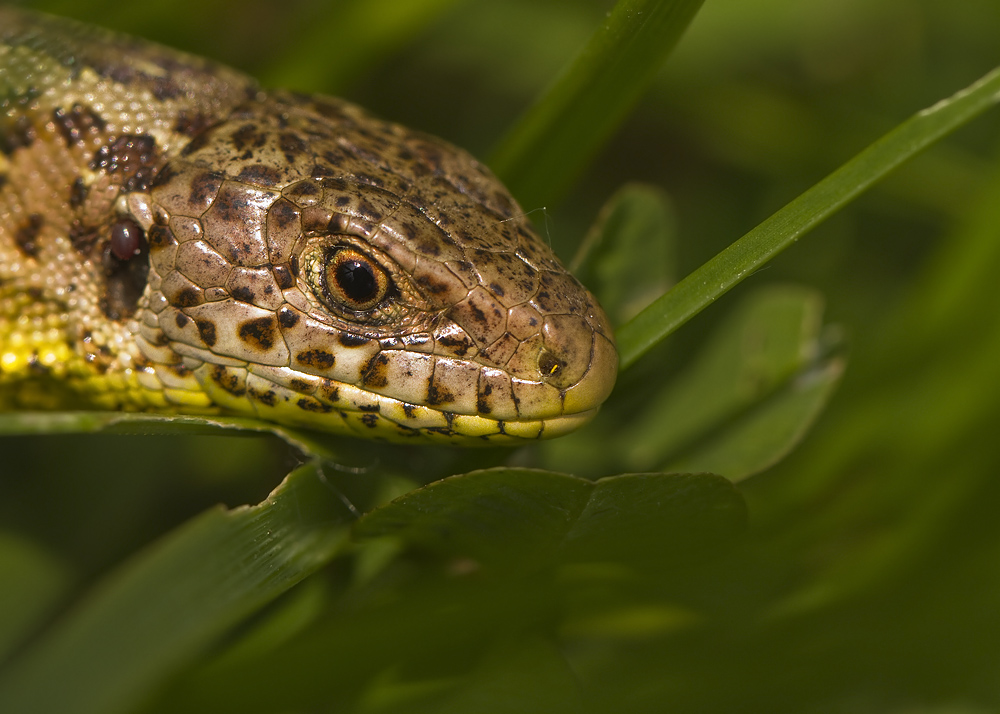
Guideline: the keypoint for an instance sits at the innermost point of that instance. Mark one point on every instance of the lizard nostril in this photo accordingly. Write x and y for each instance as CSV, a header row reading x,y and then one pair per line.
x,y
566,350
549,365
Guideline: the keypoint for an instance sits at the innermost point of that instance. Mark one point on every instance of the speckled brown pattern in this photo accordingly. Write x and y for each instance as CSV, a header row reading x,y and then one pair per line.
x,y
173,238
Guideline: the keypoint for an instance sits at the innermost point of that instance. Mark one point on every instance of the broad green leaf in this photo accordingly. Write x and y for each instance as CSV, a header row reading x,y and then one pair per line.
x,y
654,520
31,583
525,519
438,617
514,518
558,135
168,604
747,397
628,256
760,438
744,257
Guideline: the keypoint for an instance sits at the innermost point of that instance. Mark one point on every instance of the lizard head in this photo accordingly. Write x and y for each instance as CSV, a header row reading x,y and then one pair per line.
x,y
310,264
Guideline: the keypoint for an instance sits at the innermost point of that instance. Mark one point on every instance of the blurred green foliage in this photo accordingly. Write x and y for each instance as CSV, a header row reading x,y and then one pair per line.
x,y
867,579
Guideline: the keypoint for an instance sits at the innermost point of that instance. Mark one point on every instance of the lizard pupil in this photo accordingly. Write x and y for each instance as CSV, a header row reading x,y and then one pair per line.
x,y
357,280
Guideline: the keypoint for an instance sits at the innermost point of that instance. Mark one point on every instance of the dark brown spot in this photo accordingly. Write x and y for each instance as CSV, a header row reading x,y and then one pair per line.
x,y
181,319
198,142
269,397
162,85
26,236
283,276
367,211
369,420
376,373
17,134
318,359
456,345
437,394
160,236
228,380
291,145
204,187
133,156
284,213
477,314
427,245
260,175
300,385
191,124
369,408
206,330
259,332
409,230
320,171
247,136
483,406
231,205
409,410
329,390
348,339
434,287
188,297
76,123
77,193
288,317
243,294
305,188
312,405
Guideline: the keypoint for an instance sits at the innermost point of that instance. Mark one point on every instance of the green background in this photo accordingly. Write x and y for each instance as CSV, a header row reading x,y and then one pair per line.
x,y
868,578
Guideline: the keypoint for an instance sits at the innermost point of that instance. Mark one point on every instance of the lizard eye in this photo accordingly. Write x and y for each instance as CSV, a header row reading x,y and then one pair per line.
x,y
349,279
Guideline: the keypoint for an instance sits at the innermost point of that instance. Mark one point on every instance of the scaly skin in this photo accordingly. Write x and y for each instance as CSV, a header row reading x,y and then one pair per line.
x,y
173,238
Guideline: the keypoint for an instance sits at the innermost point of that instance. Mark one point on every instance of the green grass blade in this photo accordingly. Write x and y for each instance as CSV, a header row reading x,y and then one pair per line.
x,y
165,607
720,274
557,136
